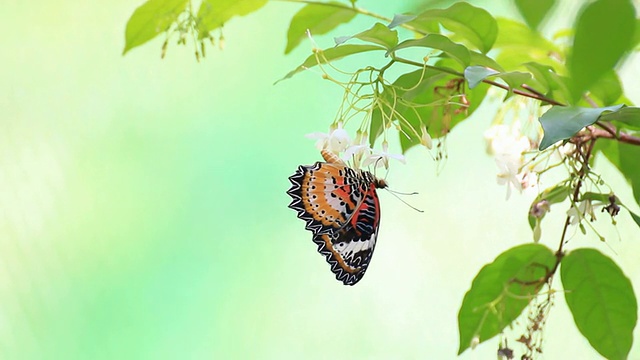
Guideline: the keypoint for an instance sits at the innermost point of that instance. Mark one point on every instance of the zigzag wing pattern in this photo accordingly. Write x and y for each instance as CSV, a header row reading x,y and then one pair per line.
x,y
325,195
349,250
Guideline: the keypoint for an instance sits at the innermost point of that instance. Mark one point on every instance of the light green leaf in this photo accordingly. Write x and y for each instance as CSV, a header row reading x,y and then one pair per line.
x,y
483,60
601,300
595,52
318,19
378,34
475,74
498,293
214,13
534,11
330,54
399,19
608,89
514,79
439,42
150,19
561,123
472,23
419,105
543,74
627,117
519,44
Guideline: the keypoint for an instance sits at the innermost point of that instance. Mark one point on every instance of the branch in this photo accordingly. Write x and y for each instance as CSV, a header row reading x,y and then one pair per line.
x,y
530,94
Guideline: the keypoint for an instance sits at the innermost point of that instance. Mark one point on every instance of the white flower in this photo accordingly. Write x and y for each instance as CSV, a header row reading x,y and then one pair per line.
x,y
335,141
380,158
358,150
505,140
584,208
508,173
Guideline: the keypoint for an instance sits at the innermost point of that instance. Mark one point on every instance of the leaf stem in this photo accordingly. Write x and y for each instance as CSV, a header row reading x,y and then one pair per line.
x,y
357,10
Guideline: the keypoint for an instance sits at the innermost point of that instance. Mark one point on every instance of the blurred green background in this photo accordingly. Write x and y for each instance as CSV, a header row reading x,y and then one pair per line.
x,y
144,215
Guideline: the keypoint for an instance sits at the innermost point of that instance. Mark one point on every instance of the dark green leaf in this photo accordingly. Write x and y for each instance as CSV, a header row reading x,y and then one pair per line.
x,y
595,51
151,19
534,11
561,123
334,53
475,74
319,19
439,42
472,23
628,117
625,158
378,34
635,217
498,293
608,89
214,13
399,19
601,300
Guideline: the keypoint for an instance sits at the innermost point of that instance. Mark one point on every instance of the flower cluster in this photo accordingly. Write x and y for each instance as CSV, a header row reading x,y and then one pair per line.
x,y
508,145
357,152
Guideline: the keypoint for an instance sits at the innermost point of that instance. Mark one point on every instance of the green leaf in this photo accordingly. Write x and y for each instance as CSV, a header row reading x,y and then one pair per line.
x,y
214,13
635,217
319,19
472,23
608,89
628,116
439,42
483,60
514,79
150,19
420,99
330,54
625,158
561,123
534,11
475,74
498,293
595,52
399,19
519,44
593,196
378,34
553,195
604,199
601,300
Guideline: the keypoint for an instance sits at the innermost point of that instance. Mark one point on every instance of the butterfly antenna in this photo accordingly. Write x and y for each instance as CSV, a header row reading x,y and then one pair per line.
x,y
395,193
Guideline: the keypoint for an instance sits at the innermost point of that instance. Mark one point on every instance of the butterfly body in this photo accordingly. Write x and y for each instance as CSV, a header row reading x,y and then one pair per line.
x,y
340,207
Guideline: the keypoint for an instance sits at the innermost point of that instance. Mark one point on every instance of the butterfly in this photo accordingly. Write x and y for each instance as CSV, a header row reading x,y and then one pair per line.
x,y
341,208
